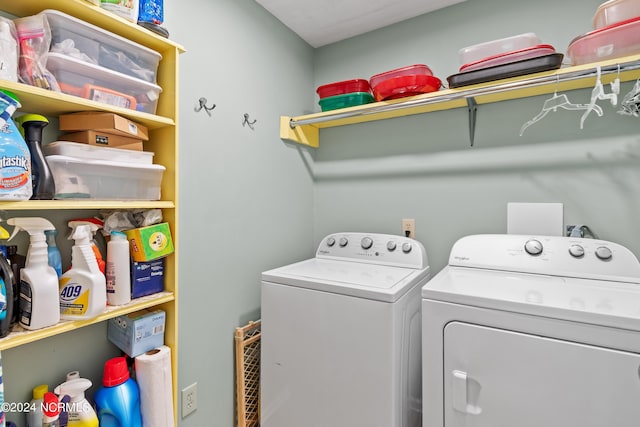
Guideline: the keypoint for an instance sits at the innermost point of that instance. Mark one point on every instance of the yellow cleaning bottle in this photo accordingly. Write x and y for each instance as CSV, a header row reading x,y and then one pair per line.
x,y
81,413
83,289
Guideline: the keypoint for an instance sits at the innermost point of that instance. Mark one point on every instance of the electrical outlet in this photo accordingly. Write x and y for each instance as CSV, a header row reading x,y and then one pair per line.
x,y
409,228
189,399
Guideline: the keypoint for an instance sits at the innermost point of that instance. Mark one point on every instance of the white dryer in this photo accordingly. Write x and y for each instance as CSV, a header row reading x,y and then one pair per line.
x,y
340,342
532,331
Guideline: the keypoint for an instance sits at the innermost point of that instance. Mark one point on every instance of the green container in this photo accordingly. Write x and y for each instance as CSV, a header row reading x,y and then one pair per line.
x,y
346,100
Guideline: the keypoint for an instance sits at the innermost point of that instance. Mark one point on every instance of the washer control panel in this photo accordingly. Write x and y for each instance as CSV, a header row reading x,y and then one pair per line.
x,y
386,249
551,255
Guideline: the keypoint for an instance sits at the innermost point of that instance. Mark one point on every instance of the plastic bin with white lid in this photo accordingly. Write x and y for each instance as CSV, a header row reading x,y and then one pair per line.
x,y
104,48
83,79
104,180
615,11
93,152
484,50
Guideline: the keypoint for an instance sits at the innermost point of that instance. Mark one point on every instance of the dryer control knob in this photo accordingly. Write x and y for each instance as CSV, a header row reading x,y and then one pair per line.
x,y
576,251
343,242
533,247
604,253
406,247
331,241
366,243
391,246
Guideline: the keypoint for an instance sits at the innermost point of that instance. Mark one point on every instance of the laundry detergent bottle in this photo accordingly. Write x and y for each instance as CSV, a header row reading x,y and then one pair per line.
x,y
7,281
39,303
83,289
118,400
15,158
81,413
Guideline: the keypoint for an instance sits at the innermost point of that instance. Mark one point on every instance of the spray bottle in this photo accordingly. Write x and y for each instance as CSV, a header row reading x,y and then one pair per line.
x,y
43,185
15,159
55,259
83,289
7,280
94,224
81,413
39,304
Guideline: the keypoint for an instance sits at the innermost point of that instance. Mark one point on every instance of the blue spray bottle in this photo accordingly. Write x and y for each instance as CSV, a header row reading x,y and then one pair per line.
x,y
55,259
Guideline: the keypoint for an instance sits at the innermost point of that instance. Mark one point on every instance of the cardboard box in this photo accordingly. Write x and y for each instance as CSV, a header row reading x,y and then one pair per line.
x,y
109,123
138,332
149,243
104,140
147,277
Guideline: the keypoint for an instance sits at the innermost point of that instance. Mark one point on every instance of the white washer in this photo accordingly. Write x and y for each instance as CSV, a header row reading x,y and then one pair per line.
x,y
340,342
532,331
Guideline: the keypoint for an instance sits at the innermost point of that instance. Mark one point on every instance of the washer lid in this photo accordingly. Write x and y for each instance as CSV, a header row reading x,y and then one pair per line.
x,y
599,302
371,281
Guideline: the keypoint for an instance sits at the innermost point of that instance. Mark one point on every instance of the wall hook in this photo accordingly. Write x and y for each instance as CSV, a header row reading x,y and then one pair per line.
x,y
246,121
203,104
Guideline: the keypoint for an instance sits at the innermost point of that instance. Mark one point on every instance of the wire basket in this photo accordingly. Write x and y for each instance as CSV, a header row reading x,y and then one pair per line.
x,y
248,374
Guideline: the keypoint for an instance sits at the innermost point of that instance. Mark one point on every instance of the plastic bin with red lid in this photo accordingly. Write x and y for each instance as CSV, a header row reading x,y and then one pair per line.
x,y
490,48
345,100
509,57
343,87
403,82
615,11
610,42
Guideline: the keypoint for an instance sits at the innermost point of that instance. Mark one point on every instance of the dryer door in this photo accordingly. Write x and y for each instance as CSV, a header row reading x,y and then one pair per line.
x,y
495,377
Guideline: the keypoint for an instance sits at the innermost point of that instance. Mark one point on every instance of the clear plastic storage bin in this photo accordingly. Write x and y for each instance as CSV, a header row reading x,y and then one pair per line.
x,y
104,180
93,152
484,50
100,84
81,40
614,11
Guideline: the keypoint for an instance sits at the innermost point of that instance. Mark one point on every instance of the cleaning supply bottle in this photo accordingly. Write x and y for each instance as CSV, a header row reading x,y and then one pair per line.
x,y
95,224
53,253
39,303
15,158
51,409
41,176
17,262
7,281
118,269
81,413
118,400
6,290
83,290
35,414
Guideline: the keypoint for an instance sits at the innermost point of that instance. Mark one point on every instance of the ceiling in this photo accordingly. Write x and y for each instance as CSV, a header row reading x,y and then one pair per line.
x,y
322,22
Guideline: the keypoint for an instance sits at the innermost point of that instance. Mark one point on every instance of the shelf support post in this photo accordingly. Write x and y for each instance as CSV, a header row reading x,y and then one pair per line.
x,y
472,106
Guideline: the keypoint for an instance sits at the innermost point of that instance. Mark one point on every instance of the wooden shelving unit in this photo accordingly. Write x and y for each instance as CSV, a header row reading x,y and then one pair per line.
x,y
163,141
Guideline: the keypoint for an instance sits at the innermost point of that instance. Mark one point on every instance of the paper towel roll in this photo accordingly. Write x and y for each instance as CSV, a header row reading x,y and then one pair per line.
x,y
153,374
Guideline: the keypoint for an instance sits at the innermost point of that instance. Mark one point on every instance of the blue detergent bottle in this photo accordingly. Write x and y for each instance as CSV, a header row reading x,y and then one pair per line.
x,y
118,400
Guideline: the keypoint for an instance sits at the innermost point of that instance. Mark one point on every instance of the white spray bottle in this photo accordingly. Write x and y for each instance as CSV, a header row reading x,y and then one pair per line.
x,y
39,305
83,289
81,413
